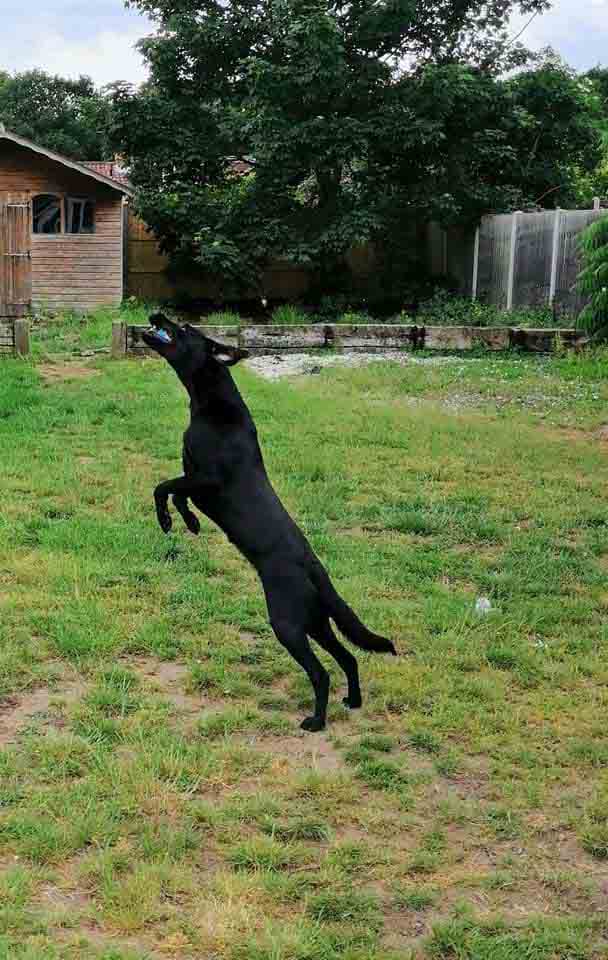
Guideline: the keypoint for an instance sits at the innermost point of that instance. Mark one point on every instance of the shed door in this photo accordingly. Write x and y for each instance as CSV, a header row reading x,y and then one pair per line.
x,y
15,255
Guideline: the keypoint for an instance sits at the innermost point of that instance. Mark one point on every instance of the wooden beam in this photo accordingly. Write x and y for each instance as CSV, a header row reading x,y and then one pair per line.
x,y
22,337
119,341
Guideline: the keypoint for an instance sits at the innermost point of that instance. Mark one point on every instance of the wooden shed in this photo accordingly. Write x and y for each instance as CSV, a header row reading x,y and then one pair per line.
x,y
61,231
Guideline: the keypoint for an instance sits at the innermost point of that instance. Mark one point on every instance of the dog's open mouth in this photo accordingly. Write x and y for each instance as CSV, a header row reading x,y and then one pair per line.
x,y
157,333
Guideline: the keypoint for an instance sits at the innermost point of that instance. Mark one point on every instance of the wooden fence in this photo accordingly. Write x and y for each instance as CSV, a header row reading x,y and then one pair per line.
x,y
147,274
148,278
14,337
516,259
512,260
271,339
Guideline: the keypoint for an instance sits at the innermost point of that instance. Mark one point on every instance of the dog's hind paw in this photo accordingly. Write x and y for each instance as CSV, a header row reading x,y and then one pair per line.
x,y
192,524
353,703
165,522
312,724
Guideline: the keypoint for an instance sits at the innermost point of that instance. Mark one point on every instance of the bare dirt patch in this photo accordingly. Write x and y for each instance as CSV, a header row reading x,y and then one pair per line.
x,y
306,750
57,899
17,710
60,372
107,942
169,679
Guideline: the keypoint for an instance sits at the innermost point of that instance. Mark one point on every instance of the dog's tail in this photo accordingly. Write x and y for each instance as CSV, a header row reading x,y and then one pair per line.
x,y
345,618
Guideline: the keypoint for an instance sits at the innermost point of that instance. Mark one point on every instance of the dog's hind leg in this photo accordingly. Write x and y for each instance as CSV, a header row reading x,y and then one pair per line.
x,y
292,606
294,639
327,639
180,502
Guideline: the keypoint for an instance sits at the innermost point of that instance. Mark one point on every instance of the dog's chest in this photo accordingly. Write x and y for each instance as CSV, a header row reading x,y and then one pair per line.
x,y
205,452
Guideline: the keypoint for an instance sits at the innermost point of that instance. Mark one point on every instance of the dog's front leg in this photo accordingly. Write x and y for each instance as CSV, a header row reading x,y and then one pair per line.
x,y
180,502
161,499
180,488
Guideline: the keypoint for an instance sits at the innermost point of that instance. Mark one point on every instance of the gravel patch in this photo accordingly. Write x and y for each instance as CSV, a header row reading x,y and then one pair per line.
x,y
275,366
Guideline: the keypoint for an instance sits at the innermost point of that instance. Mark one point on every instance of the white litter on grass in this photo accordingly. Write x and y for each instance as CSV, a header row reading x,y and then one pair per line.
x,y
483,605
276,366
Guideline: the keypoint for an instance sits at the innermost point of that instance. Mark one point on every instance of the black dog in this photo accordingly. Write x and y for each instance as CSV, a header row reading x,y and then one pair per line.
x,y
225,478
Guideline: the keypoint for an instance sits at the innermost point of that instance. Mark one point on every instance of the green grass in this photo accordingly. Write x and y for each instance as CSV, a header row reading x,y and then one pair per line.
x,y
55,335
157,797
288,315
416,898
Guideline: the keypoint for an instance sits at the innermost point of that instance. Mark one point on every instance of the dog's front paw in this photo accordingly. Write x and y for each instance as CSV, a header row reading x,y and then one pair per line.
x,y
164,520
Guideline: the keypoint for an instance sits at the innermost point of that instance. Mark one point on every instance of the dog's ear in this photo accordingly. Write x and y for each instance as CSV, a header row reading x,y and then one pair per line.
x,y
227,355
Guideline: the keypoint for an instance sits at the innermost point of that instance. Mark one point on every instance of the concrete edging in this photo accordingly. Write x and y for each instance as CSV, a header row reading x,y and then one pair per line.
x,y
271,338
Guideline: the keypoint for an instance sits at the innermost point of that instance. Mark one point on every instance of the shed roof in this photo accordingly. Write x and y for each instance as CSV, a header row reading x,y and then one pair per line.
x,y
109,168
87,171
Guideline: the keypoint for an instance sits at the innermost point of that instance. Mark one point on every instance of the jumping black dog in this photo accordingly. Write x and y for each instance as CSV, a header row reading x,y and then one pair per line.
x,y
225,478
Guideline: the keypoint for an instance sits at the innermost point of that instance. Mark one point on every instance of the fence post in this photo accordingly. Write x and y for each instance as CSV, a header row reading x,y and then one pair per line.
x,y
21,333
596,203
511,275
554,253
475,265
444,252
119,340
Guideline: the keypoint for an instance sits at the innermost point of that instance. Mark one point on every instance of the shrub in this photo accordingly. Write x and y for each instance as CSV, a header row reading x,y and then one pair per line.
x,y
593,279
444,309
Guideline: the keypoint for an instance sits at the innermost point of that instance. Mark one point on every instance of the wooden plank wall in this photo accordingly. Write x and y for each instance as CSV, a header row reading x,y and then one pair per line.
x,y
71,271
82,271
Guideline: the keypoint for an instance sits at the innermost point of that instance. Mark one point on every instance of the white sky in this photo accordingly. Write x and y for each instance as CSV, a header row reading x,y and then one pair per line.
x,y
97,37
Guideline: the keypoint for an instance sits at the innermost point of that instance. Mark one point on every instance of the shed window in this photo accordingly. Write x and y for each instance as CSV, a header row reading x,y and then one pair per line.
x,y
46,213
79,215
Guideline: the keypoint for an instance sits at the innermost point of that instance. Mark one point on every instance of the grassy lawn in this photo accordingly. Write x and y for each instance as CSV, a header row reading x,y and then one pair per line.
x,y
157,798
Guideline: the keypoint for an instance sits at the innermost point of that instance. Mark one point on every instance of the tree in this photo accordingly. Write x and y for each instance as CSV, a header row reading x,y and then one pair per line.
x,y
357,117
69,116
560,148
598,78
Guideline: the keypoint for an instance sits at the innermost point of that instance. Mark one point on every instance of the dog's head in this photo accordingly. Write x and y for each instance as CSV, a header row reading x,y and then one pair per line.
x,y
187,350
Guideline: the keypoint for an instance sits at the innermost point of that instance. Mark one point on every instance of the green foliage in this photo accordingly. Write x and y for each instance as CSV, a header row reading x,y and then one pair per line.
x,y
593,279
345,145
598,80
557,152
69,116
444,309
